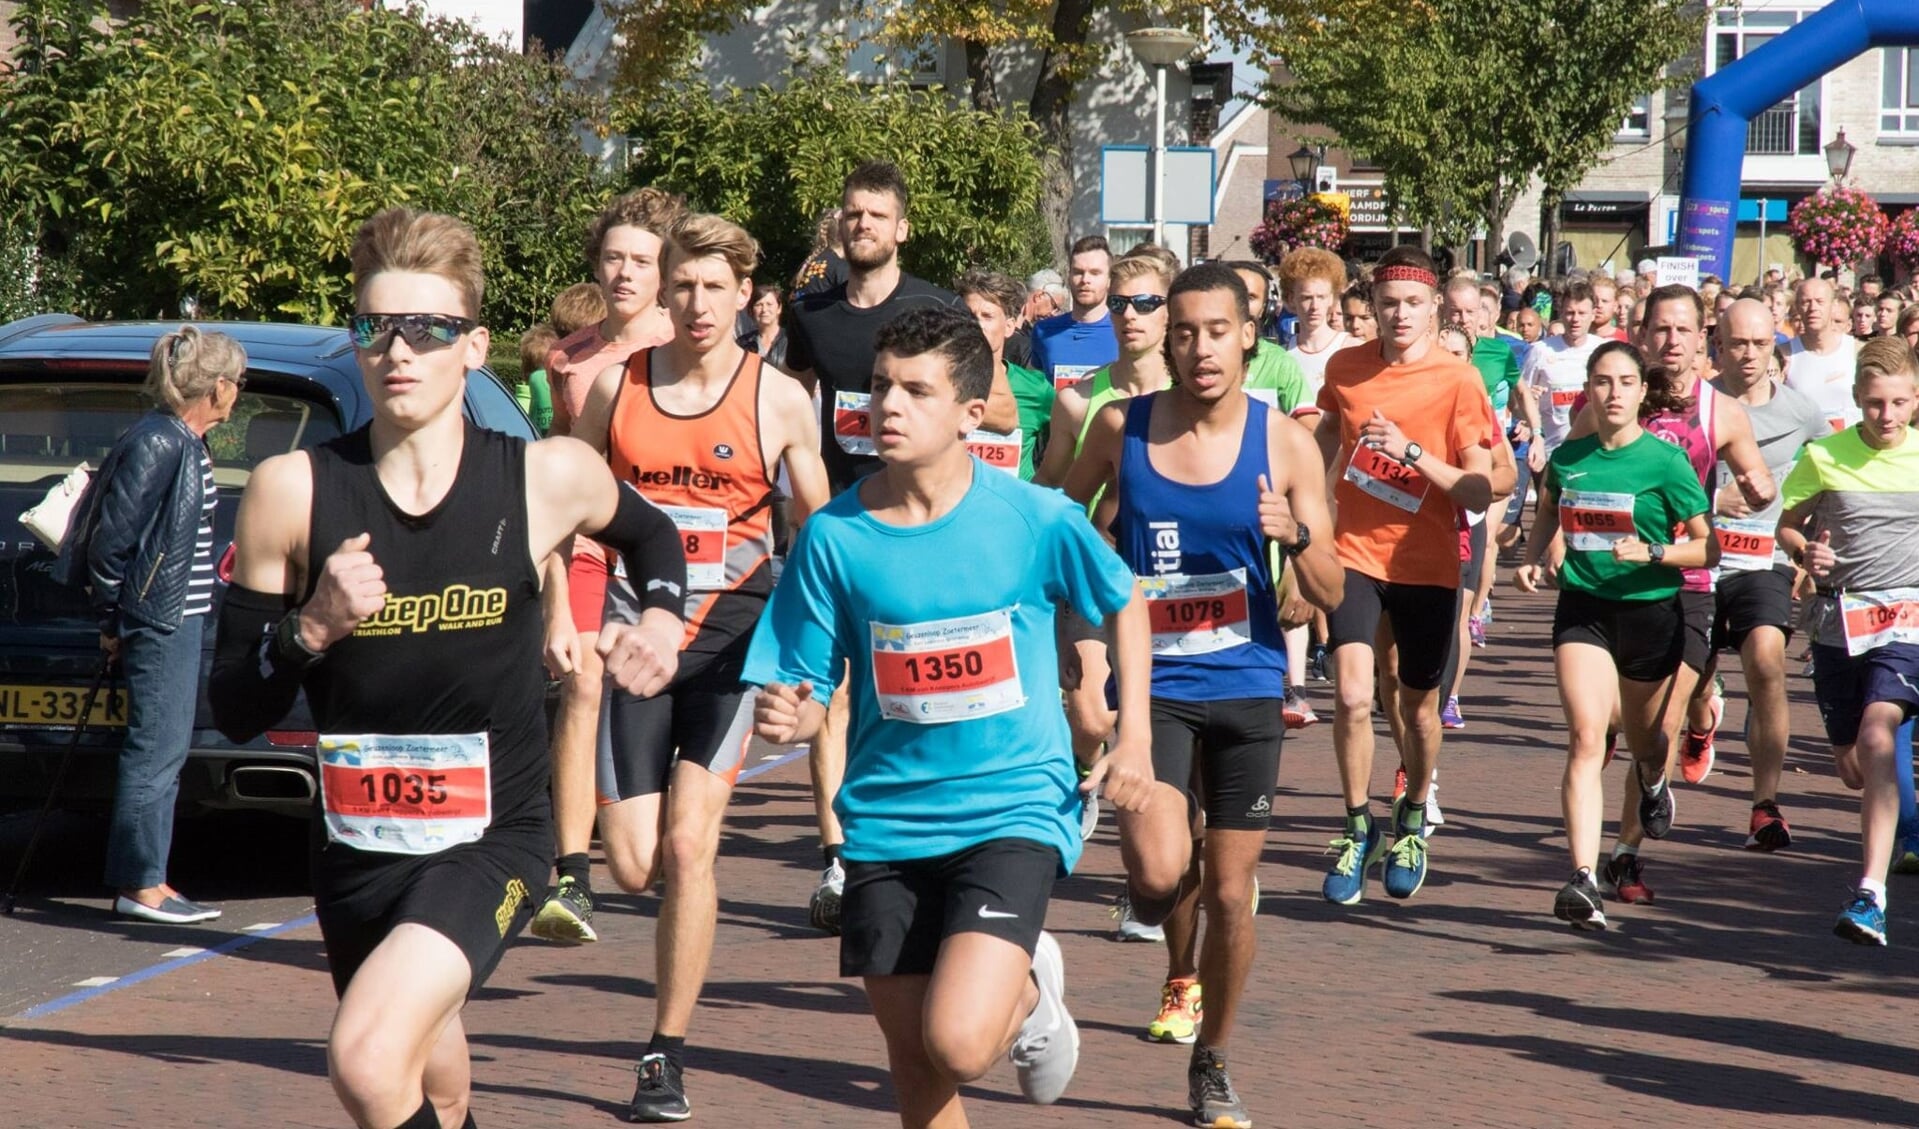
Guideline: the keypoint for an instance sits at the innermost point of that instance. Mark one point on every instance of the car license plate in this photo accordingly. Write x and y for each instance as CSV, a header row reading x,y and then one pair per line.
x,y
59,707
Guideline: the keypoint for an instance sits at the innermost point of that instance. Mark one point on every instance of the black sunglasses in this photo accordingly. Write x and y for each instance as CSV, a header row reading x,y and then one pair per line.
x,y
421,331
1142,304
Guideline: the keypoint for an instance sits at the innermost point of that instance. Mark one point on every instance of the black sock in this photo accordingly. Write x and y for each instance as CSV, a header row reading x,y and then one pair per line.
x,y
577,867
831,853
426,1117
672,1046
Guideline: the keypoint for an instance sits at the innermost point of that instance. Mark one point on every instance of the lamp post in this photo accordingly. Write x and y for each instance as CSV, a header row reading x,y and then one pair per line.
x,y
1839,153
1159,48
1305,160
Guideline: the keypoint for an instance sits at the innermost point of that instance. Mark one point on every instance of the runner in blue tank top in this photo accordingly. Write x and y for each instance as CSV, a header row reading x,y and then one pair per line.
x,y
1206,478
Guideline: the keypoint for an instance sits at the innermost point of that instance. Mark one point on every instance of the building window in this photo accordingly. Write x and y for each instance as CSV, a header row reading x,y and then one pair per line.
x,y
1790,128
1899,91
1638,120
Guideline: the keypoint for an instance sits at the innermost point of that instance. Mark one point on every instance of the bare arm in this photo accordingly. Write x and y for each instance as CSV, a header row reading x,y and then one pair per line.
x,y
1069,411
1002,410
792,406
595,425
1741,451
1098,462
1293,454
270,532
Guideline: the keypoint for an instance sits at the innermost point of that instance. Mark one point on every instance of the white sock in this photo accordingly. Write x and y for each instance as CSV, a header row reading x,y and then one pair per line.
x,y
1620,850
1876,888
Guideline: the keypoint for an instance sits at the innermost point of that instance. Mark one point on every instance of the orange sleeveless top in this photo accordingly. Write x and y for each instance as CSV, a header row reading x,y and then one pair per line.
x,y
709,473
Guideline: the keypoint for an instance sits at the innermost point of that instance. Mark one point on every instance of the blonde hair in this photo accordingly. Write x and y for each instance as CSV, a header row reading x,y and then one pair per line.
x,y
1883,356
1309,263
187,365
1144,264
577,307
649,209
699,235
403,240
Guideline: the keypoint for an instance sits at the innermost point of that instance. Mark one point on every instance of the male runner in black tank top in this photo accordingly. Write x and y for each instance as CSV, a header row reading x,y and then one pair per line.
x,y
391,573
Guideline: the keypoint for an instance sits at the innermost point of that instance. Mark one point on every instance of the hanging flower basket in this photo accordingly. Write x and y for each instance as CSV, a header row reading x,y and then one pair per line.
x,y
1306,222
1902,240
1841,226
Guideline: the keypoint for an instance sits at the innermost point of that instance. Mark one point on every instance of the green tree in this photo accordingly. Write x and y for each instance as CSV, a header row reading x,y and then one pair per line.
x,y
773,158
228,151
1462,102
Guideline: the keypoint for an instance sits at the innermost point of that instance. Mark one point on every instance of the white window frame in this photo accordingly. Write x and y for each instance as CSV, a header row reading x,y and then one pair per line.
x,y
1641,109
1904,119
1739,23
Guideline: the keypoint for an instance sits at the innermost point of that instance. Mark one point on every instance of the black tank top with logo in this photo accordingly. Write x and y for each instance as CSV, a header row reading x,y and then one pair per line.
x,y
457,647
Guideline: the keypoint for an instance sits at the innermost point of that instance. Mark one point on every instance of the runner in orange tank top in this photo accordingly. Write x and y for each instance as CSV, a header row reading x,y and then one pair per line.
x,y
699,426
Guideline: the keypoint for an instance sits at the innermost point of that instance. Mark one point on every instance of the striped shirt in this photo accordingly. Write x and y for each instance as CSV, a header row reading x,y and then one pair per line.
x,y
200,586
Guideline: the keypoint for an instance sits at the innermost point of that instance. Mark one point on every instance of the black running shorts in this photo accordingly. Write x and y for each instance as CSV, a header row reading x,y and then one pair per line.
x,y
705,719
1644,637
1745,600
1424,619
1696,611
1235,745
477,895
895,915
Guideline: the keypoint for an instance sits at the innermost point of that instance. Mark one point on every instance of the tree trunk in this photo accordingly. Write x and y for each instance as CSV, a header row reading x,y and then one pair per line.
x,y
979,77
1050,109
1502,204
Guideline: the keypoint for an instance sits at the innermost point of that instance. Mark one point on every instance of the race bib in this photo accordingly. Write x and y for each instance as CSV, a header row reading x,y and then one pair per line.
x,y
1197,615
1391,482
405,795
1873,619
703,537
1562,393
1595,522
1064,375
946,670
1001,452
1745,543
853,422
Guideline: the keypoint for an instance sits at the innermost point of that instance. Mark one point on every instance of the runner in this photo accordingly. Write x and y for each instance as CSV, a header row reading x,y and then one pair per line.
x,y
1554,376
1463,304
830,349
392,574
1851,519
1356,312
1273,375
623,249
1191,467
959,800
1820,362
700,427
1754,581
995,299
1617,495
1068,346
1400,479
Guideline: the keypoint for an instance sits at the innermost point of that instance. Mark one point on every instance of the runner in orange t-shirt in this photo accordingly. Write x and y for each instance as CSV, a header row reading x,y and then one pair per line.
x,y
1407,429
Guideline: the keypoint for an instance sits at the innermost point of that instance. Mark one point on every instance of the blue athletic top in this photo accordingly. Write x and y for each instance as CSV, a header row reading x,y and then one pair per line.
x,y
957,735
1065,348
1203,568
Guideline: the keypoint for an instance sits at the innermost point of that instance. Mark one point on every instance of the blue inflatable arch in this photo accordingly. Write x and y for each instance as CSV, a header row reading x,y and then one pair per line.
x,y
1723,104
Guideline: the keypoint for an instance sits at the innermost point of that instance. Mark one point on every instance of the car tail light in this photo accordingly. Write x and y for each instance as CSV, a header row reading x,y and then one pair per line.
x,y
292,738
224,570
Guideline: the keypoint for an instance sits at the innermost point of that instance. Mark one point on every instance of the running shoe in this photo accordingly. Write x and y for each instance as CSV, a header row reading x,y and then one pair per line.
x,y
1297,712
1399,782
824,908
1656,811
1578,903
1210,1093
1316,663
1476,630
1486,611
1626,879
1046,1050
661,1094
1131,928
1450,718
1088,816
1863,921
1346,882
1905,859
567,915
1434,817
1179,1007
1406,863
1770,832
172,910
1696,758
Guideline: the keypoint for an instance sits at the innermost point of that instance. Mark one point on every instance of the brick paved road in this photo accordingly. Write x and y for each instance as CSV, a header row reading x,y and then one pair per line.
x,y
1727,1004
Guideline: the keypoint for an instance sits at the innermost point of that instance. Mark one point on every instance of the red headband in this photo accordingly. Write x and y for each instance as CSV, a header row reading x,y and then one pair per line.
x,y
1407,274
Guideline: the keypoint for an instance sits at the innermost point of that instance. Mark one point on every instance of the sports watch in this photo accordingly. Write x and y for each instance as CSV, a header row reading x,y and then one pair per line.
x,y
1302,537
1413,452
1656,552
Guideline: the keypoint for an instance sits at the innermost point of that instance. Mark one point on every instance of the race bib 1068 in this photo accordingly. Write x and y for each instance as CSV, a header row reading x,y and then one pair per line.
x,y
947,669
1874,619
413,795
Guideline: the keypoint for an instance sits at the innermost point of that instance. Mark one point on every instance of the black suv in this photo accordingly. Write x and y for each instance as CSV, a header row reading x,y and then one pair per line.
x,y
68,388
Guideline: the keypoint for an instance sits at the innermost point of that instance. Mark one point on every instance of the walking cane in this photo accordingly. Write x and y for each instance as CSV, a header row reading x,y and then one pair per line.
x,y
53,793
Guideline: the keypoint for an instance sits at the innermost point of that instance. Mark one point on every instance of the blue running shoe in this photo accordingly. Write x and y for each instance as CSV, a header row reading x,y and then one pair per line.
x,y
1863,921
1406,862
1346,882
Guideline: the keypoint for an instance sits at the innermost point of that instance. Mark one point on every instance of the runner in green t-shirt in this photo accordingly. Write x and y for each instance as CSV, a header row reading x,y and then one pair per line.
x,y
995,300
1617,495
1035,396
533,392
1272,374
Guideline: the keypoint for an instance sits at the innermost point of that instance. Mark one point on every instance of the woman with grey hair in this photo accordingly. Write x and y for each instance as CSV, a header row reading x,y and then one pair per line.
x,y
145,542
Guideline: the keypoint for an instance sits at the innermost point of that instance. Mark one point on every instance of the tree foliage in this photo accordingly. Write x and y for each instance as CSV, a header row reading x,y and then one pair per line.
x,y
228,151
773,158
1463,103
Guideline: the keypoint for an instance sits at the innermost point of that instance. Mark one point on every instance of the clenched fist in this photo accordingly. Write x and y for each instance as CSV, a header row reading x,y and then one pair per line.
x,y
641,658
351,588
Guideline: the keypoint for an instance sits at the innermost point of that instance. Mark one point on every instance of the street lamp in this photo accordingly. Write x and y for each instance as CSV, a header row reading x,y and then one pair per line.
x,y
1839,153
1159,48
1304,161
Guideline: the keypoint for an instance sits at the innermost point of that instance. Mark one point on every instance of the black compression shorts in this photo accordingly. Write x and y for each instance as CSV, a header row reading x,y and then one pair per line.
x,y
1235,744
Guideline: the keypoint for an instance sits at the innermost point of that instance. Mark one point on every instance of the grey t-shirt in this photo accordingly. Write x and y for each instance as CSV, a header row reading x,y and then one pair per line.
x,y
1780,426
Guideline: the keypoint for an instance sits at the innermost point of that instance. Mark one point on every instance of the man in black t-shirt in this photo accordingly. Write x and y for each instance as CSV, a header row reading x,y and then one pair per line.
x,y
830,334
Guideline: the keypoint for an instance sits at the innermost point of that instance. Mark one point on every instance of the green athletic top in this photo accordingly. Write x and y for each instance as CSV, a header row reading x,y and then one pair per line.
x,y
1276,371
536,400
1645,489
1035,396
1498,367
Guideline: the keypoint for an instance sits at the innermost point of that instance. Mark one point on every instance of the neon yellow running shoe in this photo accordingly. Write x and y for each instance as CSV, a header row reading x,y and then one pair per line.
x,y
1179,1008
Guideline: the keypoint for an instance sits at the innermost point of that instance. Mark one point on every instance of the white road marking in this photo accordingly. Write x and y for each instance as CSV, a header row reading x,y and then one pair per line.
x,y
261,926
95,981
184,951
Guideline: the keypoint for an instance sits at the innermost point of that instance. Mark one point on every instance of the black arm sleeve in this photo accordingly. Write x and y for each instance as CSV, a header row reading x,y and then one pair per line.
x,y
655,559
249,691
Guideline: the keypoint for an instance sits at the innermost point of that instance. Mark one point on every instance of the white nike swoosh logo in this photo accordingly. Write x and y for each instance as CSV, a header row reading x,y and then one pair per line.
x,y
990,913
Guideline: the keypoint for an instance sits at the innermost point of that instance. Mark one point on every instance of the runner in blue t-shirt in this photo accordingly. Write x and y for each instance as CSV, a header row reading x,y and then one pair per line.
x,y
961,804
1068,346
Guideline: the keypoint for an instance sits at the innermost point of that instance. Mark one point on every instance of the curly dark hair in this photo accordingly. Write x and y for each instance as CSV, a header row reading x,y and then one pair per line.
x,y
950,333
